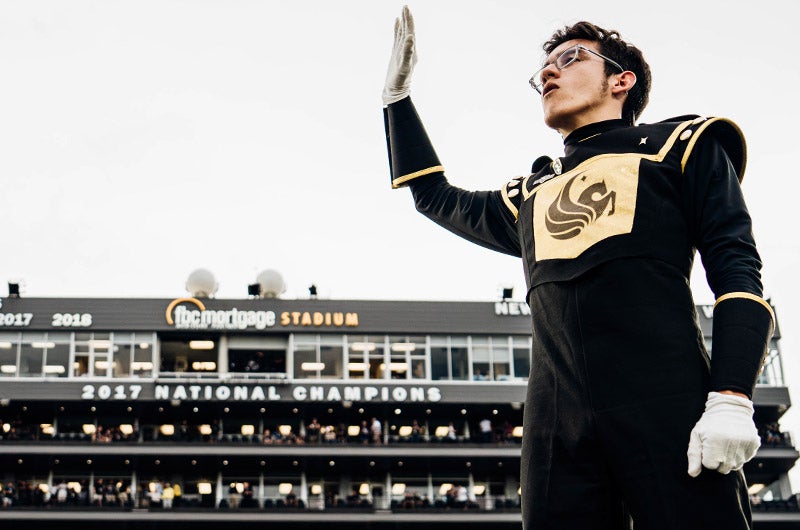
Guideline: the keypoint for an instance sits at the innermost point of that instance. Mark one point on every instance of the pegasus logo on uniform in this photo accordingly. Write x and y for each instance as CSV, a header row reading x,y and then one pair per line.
x,y
567,217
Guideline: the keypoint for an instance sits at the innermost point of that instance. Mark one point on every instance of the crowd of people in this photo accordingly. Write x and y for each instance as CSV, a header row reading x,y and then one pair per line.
x,y
114,493
771,436
780,505
103,493
370,431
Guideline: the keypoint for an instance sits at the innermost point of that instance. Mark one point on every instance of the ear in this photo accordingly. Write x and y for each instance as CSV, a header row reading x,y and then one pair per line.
x,y
624,83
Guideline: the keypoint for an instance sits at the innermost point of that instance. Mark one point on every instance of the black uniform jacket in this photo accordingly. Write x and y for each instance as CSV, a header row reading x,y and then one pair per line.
x,y
655,191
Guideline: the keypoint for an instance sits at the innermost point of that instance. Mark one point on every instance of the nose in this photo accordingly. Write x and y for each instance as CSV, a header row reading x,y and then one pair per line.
x,y
547,72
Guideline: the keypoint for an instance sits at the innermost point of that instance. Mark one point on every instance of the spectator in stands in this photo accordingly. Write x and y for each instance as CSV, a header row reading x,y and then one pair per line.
x,y
216,432
774,436
376,431
248,500
84,495
508,432
62,493
329,434
267,438
111,494
364,433
25,492
341,433
408,501
461,497
40,496
254,363
450,496
354,499
167,496
97,493
416,432
312,431
234,496
291,499
178,494
331,499
183,431
124,495
155,493
9,495
451,433
486,430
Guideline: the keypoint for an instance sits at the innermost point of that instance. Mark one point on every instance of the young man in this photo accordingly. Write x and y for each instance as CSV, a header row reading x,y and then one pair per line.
x,y
622,396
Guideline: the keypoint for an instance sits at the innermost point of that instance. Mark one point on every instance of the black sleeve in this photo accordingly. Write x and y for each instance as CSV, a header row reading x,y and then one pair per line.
x,y
721,224
478,216
722,232
482,217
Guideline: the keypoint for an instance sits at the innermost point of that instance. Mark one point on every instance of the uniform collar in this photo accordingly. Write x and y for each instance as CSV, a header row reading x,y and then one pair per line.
x,y
593,129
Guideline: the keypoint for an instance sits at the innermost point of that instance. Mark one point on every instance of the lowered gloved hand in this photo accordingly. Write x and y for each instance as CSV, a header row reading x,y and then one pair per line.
x,y
404,57
725,437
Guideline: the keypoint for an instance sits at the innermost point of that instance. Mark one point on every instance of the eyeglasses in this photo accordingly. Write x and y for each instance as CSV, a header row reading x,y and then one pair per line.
x,y
567,57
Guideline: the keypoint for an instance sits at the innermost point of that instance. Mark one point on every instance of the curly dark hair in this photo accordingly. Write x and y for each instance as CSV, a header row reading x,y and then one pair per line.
x,y
613,47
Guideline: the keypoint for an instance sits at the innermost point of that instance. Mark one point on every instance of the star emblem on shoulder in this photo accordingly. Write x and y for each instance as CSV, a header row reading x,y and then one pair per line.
x,y
643,140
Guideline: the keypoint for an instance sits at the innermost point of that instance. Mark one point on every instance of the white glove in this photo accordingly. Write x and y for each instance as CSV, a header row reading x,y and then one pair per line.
x,y
725,437
404,57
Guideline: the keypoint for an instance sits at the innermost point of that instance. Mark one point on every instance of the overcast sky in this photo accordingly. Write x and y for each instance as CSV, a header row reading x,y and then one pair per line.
x,y
140,140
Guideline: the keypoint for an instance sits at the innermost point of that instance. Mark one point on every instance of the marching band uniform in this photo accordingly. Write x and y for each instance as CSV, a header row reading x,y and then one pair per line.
x,y
619,373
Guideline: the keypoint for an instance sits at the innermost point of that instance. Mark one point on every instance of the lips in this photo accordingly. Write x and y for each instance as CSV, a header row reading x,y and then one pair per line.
x,y
548,88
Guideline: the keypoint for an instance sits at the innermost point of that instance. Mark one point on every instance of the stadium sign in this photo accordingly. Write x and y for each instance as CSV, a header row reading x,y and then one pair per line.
x,y
260,393
513,309
191,313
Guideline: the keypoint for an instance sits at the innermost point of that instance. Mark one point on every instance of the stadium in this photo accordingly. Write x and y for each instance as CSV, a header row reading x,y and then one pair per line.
x,y
154,413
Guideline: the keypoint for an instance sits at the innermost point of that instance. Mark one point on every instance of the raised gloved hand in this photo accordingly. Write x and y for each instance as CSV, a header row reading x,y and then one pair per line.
x,y
404,57
725,437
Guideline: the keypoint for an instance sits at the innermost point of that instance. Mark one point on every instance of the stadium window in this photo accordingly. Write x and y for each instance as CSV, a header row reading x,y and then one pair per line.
x,y
56,361
122,353
331,354
440,358
9,344
359,350
142,347
522,356
400,349
306,359
257,355
100,351
481,359
501,355
418,358
188,354
31,354
378,357
459,363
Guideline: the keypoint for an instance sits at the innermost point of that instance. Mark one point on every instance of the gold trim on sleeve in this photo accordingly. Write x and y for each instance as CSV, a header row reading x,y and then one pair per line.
x,y
396,183
749,296
700,129
662,154
509,204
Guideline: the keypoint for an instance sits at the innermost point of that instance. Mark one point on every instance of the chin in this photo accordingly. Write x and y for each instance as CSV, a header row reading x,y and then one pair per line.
x,y
555,120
